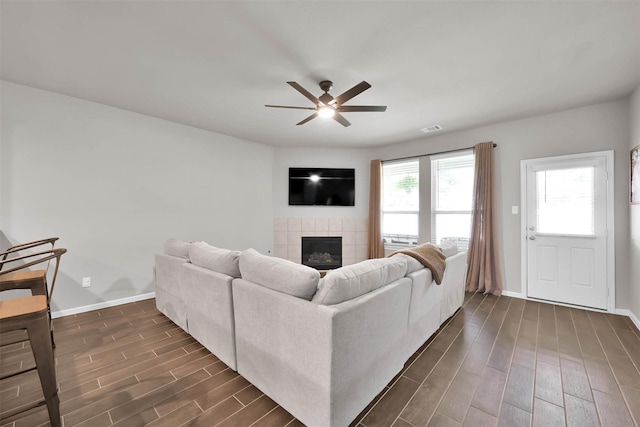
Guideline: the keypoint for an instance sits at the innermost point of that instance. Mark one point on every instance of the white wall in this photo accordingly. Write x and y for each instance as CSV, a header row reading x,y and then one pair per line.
x,y
114,185
634,213
592,128
286,157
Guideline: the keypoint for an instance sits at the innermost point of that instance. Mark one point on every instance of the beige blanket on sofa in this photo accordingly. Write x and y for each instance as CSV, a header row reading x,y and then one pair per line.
x,y
430,256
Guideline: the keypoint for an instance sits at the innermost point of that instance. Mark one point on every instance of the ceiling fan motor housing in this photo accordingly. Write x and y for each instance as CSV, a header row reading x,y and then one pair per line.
x,y
326,86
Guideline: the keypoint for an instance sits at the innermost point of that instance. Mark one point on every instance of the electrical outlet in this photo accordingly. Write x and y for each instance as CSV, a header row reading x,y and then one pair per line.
x,y
514,210
86,282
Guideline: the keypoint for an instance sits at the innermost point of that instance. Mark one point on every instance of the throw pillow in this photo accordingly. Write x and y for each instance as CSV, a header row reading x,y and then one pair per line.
x,y
448,248
279,274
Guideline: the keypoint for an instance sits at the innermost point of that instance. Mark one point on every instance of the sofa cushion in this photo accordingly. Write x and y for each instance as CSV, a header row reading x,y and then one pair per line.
x,y
279,274
223,261
412,263
177,248
448,248
354,280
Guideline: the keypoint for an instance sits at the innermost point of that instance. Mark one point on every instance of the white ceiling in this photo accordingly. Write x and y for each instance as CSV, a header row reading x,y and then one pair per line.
x,y
214,64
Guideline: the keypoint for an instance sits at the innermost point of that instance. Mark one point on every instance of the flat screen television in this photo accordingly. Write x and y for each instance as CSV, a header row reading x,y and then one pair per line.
x,y
321,187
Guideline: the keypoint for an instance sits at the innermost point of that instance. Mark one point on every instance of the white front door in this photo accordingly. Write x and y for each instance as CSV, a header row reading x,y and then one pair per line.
x,y
565,216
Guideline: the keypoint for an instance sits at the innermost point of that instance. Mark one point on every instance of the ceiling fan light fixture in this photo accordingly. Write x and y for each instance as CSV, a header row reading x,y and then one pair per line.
x,y
326,111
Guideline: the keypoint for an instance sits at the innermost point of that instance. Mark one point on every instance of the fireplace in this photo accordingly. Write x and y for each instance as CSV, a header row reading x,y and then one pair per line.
x,y
322,253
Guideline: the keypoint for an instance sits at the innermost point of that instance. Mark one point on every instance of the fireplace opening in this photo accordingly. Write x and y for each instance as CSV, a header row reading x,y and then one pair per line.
x,y
322,253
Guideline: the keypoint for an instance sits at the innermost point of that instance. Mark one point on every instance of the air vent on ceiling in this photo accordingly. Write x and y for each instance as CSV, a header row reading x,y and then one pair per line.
x,y
431,128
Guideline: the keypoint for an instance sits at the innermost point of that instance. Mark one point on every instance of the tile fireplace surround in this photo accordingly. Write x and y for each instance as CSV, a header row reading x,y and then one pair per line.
x,y
288,233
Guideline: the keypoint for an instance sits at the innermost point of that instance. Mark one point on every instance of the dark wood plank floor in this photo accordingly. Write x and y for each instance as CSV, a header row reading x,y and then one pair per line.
x,y
497,362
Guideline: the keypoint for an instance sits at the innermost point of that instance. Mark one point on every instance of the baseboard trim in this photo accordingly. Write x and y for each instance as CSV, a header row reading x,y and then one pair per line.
x,y
631,316
634,319
513,294
100,305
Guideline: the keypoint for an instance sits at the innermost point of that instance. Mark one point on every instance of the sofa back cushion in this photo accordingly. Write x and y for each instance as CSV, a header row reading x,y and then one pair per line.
x,y
279,274
412,263
448,248
177,248
351,281
223,261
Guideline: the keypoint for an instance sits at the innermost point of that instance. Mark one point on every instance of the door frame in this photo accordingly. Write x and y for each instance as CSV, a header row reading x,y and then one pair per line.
x,y
610,225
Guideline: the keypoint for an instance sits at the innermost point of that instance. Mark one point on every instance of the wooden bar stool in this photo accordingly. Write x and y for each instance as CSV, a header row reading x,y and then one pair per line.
x,y
19,277
31,313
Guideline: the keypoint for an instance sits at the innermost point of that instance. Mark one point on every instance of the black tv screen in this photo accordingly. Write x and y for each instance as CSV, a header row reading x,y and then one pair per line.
x,y
321,187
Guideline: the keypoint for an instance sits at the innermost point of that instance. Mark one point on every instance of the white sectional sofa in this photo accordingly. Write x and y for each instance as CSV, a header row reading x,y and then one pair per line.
x,y
321,348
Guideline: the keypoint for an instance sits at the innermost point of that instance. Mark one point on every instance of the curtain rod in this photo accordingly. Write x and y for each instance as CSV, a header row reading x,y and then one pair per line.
x,y
433,154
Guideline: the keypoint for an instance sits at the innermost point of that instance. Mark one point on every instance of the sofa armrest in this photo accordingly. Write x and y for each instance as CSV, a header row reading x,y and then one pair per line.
x,y
453,285
170,296
323,364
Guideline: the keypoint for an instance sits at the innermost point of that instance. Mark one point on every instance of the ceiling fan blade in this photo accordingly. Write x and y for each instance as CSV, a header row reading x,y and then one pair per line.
x,y
340,119
313,116
288,106
357,89
353,108
305,92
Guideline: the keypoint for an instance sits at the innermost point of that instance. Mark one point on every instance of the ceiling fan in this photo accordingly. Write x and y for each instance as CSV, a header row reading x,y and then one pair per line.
x,y
328,106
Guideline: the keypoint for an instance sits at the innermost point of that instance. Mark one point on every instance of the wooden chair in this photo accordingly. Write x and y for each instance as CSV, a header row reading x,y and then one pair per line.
x,y
33,314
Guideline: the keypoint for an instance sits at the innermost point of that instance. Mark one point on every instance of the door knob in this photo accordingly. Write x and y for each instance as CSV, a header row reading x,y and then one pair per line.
x,y
532,237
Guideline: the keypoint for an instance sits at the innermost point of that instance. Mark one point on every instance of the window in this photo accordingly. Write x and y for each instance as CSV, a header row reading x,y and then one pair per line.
x,y
400,202
565,201
452,198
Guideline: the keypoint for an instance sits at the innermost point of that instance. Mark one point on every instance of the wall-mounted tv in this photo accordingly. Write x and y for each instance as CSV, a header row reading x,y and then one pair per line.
x,y
321,187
